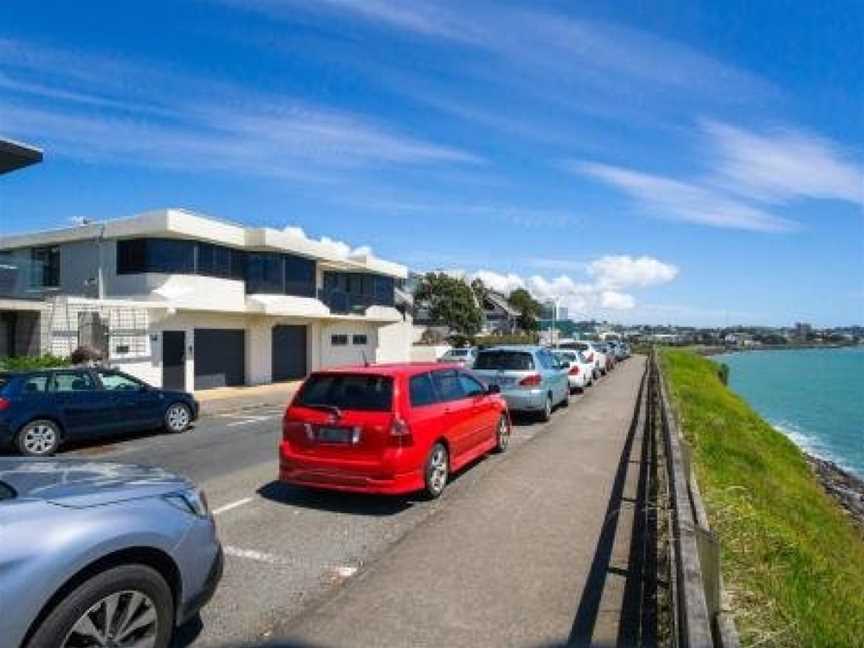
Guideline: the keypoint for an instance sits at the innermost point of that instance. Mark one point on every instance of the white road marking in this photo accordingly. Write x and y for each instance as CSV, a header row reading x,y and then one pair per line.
x,y
248,420
232,505
250,554
345,571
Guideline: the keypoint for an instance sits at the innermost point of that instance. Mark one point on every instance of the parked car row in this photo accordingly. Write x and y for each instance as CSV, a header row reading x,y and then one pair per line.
x,y
403,428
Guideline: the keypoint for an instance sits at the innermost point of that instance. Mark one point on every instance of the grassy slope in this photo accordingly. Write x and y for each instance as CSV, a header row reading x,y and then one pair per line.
x,y
791,561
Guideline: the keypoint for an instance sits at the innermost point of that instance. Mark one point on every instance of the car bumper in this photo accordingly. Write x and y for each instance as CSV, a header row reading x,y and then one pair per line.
x,y
194,604
576,382
317,472
525,400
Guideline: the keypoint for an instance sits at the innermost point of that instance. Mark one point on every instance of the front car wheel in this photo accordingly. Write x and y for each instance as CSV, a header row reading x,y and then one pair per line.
x,y
124,607
177,417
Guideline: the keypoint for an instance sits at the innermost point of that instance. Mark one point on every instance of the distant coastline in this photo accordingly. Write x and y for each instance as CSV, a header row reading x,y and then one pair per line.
x,y
720,350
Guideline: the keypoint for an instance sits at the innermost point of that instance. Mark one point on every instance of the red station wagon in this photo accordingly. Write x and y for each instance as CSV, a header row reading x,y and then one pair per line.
x,y
396,428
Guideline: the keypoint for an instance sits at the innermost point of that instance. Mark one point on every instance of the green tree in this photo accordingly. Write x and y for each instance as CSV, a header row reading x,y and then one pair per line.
x,y
528,307
450,302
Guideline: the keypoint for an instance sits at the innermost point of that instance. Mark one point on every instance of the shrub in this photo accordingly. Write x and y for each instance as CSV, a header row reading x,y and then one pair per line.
x,y
85,355
26,363
496,340
723,373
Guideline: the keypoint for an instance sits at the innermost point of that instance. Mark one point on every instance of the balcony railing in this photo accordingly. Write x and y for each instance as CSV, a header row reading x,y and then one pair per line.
x,y
21,278
341,302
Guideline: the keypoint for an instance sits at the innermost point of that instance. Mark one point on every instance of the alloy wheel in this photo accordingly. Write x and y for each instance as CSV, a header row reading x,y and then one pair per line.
x,y
503,434
39,439
124,619
177,417
438,469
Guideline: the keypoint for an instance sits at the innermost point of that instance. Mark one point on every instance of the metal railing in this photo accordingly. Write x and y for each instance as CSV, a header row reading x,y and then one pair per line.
x,y
694,551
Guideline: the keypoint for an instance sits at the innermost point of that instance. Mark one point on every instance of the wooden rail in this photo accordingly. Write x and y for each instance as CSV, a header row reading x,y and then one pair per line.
x,y
694,551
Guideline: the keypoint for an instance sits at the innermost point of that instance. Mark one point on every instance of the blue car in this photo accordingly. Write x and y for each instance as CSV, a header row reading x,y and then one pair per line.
x,y
531,378
41,409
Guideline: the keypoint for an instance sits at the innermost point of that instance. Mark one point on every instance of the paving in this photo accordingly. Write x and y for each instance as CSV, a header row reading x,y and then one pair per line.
x,y
514,553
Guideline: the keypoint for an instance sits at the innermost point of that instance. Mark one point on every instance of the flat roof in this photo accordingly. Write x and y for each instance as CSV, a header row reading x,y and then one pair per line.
x,y
15,155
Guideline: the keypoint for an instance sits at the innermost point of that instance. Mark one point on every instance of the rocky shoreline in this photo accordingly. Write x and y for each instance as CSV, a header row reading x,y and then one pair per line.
x,y
844,487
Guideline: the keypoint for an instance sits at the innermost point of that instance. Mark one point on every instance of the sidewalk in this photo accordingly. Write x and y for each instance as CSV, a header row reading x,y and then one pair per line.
x,y
538,554
222,400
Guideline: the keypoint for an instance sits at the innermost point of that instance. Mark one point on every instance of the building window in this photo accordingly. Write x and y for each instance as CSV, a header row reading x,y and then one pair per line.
x,y
46,267
299,276
214,260
167,256
339,339
359,339
264,273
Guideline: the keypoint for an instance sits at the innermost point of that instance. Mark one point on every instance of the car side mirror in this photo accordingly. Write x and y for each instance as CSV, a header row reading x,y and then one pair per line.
x,y
493,389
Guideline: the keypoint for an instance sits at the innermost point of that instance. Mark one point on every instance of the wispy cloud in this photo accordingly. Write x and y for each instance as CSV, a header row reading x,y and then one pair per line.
x,y
75,114
684,201
783,164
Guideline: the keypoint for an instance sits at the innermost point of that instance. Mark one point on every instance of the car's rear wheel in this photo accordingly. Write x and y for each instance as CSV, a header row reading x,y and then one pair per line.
x,y
502,434
124,607
546,412
177,417
39,438
437,470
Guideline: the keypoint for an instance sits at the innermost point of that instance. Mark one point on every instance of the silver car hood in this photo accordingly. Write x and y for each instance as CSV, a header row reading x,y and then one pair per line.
x,y
82,482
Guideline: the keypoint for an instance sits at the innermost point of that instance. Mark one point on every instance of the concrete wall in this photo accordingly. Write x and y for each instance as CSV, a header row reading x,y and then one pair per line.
x,y
350,354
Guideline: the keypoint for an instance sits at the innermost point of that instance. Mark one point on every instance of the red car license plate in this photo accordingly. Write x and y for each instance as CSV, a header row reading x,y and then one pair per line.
x,y
335,435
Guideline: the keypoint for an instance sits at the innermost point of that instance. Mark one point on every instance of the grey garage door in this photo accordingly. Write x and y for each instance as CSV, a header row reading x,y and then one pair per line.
x,y
289,352
219,357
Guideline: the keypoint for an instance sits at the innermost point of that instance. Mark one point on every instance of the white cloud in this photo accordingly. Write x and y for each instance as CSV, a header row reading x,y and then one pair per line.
x,y
616,300
784,164
684,201
606,279
336,248
625,271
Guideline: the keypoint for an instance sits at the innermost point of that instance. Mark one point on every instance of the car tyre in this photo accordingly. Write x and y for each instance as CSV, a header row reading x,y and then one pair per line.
x,y
437,471
39,438
546,412
139,601
177,418
502,434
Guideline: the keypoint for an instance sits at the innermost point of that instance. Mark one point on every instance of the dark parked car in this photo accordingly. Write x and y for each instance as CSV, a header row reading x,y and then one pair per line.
x,y
41,409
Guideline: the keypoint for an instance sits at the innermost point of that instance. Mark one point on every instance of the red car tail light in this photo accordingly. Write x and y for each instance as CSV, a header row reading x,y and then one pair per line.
x,y
400,432
574,370
4,404
531,381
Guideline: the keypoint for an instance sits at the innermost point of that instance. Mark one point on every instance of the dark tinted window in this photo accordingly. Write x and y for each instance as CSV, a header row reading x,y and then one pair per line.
x,y
505,360
169,256
348,392
299,276
421,390
46,267
214,260
264,273
447,385
471,386
359,339
384,287
338,339
71,381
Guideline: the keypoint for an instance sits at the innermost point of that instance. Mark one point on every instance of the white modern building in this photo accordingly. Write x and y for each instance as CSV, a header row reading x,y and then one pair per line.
x,y
187,301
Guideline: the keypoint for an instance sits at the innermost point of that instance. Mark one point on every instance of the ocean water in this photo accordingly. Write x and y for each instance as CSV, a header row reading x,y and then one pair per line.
x,y
813,396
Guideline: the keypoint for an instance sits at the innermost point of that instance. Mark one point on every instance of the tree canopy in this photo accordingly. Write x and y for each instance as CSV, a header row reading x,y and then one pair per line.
x,y
528,307
451,302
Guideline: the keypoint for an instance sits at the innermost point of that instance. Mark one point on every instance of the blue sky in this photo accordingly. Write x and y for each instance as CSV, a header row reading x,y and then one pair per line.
x,y
667,162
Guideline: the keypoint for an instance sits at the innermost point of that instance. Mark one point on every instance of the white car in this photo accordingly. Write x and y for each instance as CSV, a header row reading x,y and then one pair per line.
x,y
465,356
592,354
580,372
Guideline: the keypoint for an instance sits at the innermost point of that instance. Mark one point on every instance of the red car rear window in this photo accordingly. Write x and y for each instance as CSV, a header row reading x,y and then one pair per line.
x,y
362,392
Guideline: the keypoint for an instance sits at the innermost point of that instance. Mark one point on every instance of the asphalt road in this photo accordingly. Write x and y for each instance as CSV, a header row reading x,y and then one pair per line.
x,y
291,553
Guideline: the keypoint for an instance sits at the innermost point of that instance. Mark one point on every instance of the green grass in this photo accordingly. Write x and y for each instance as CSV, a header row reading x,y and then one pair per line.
x,y
792,563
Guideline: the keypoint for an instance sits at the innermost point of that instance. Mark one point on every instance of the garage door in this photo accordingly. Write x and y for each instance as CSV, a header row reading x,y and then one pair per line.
x,y
219,357
289,352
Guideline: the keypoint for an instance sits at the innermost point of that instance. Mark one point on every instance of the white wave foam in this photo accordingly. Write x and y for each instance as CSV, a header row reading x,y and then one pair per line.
x,y
810,444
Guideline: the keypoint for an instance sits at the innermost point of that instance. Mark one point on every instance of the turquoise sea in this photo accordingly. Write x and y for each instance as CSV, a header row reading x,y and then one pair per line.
x,y
813,396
